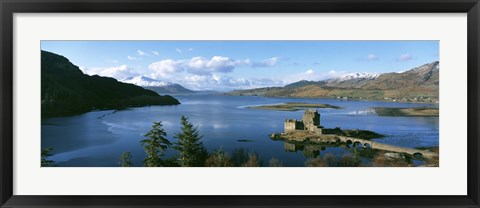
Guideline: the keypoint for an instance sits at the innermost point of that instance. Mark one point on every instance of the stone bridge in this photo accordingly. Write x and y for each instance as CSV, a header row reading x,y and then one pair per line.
x,y
386,147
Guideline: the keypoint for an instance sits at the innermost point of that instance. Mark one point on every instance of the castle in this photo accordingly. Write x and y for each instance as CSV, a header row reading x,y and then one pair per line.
x,y
310,122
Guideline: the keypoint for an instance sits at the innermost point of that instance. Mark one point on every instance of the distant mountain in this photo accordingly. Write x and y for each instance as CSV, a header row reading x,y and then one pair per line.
x,y
419,84
356,76
158,86
351,80
171,89
422,78
66,90
344,81
302,83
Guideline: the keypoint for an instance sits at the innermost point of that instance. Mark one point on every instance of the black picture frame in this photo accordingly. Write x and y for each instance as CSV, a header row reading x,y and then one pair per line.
x,y
9,7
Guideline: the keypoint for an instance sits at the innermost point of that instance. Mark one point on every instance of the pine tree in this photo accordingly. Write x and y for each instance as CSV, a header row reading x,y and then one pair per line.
x,y
126,159
155,144
192,153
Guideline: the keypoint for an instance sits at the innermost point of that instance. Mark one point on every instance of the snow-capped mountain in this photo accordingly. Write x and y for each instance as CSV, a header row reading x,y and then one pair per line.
x,y
345,81
146,82
161,87
428,67
351,80
421,81
361,75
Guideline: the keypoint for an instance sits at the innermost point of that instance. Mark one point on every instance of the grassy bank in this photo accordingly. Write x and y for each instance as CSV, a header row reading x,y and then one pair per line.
x,y
407,111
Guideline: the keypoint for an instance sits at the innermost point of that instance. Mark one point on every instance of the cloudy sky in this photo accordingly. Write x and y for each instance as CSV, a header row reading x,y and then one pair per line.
x,y
227,65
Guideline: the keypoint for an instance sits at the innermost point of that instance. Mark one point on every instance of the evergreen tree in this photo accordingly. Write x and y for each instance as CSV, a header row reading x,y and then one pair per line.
x,y
45,162
192,153
126,159
155,144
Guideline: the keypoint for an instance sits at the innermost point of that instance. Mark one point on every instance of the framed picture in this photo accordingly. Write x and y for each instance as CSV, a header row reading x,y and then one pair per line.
x,y
248,104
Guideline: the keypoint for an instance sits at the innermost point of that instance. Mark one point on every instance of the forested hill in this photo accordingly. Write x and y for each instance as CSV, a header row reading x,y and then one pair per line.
x,y
66,90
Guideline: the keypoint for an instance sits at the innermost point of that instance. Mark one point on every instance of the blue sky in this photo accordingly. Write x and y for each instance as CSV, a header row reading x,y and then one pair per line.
x,y
227,65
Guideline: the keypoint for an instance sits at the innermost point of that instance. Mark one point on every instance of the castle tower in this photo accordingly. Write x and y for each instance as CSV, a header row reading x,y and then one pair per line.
x,y
311,117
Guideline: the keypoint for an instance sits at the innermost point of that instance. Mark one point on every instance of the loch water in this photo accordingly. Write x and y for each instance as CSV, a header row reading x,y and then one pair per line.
x,y
98,138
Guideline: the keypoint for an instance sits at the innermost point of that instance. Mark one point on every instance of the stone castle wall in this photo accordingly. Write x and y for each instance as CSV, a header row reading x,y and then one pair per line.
x,y
310,122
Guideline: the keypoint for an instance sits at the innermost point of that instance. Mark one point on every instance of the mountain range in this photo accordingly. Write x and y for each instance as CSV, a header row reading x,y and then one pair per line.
x,y
419,84
66,90
161,87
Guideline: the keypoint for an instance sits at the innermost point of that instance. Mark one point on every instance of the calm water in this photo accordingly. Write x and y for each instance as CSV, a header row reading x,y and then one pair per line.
x,y
99,138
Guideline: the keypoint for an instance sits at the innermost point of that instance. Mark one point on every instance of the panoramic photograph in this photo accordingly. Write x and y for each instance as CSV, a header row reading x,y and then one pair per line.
x,y
236,103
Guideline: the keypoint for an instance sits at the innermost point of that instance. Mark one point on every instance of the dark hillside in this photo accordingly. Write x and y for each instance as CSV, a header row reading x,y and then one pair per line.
x,y
66,90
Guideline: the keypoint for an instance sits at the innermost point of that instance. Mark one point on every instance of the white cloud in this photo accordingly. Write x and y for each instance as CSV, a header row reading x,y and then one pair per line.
x,y
142,53
204,66
310,71
156,53
179,50
266,62
195,65
196,78
372,57
117,72
405,57
131,58
165,67
222,82
221,64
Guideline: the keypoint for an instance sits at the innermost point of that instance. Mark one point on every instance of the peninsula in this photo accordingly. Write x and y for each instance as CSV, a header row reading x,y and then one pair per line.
x,y
422,111
293,106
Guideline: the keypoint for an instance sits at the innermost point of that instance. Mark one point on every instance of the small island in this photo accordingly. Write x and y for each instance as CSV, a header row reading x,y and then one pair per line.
x,y
422,111
293,106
